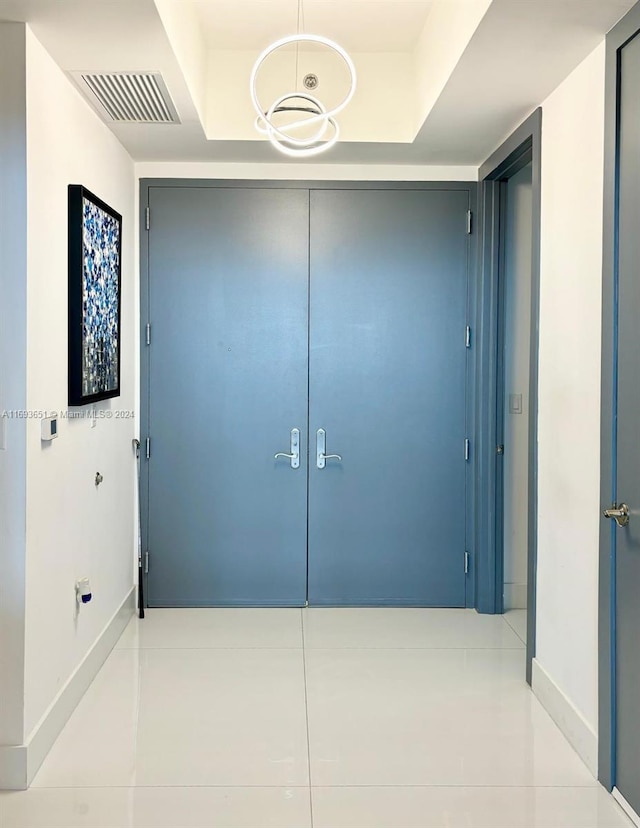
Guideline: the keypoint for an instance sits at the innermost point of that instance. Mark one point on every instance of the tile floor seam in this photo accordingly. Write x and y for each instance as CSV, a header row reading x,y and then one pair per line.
x,y
77,787
177,647
454,649
517,633
138,704
504,786
306,712
505,618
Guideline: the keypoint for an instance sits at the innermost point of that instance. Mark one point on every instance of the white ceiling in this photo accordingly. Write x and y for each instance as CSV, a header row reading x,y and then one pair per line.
x,y
358,25
515,57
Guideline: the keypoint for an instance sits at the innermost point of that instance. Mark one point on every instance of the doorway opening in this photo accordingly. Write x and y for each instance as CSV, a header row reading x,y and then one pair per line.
x,y
507,374
513,406
320,363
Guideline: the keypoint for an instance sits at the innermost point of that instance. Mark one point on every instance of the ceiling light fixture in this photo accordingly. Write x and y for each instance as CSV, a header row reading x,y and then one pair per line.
x,y
311,110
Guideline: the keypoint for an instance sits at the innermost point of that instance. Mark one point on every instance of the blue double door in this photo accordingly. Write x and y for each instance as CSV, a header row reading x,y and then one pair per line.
x,y
311,323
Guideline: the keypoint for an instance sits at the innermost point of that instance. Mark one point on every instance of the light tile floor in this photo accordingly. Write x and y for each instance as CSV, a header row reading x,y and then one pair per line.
x,y
517,620
331,718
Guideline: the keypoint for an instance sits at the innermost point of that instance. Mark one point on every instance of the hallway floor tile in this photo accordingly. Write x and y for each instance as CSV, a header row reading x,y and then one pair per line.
x,y
406,629
443,717
385,718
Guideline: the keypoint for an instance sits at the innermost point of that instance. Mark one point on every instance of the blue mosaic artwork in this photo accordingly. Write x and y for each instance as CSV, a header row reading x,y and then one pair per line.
x,y
100,300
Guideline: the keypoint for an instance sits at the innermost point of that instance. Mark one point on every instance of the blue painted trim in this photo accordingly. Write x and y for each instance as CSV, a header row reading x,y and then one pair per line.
x,y
486,403
470,396
621,34
502,194
613,609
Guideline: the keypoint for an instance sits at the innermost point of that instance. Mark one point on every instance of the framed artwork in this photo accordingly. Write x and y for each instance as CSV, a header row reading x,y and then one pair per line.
x,y
95,262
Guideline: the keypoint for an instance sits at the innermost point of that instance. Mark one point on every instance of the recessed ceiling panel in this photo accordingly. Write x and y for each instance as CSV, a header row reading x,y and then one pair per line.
x,y
358,25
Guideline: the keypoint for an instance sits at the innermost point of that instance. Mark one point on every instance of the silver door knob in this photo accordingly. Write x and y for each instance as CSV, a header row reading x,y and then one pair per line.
x,y
618,513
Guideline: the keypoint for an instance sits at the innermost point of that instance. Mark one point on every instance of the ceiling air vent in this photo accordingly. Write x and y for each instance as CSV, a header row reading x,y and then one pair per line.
x,y
131,97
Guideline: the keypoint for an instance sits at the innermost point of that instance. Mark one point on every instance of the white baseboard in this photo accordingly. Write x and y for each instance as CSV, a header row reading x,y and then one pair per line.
x,y
622,802
515,596
13,767
19,763
571,722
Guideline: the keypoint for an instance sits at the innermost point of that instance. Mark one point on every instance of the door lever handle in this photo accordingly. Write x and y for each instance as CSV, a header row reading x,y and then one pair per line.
x,y
294,456
321,445
618,513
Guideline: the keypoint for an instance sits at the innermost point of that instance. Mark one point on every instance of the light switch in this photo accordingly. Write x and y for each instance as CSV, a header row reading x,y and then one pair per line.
x,y
515,403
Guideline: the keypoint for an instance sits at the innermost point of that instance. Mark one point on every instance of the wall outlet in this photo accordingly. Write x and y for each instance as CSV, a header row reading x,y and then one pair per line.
x,y
83,591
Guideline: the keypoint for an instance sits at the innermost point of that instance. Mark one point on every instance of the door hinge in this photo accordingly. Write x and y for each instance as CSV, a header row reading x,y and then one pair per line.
x,y
467,559
469,222
499,449
146,562
467,448
467,337
148,333
147,217
148,447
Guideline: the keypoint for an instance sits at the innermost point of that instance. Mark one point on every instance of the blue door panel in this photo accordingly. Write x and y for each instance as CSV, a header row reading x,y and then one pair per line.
x,y
228,381
387,383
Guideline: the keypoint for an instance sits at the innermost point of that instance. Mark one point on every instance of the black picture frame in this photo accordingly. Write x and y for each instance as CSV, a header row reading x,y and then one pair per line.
x,y
94,301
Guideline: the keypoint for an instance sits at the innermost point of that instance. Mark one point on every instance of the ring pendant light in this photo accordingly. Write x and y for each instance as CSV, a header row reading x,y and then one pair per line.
x,y
311,110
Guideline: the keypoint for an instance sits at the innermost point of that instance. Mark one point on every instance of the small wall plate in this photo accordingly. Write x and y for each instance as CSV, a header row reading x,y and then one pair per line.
x,y
49,428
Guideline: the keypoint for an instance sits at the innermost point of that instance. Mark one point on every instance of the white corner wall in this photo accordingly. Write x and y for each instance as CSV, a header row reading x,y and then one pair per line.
x,y
13,336
73,528
569,395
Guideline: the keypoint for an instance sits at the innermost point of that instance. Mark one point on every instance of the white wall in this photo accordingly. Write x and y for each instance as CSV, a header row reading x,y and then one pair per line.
x,y
517,333
569,384
13,335
297,171
73,528
446,35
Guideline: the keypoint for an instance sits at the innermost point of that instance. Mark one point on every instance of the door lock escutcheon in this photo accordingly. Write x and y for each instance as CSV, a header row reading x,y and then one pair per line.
x,y
321,447
618,513
294,454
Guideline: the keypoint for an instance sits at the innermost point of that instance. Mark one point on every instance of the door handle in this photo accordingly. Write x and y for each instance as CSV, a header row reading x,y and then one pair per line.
x,y
618,513
294,456
321,446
